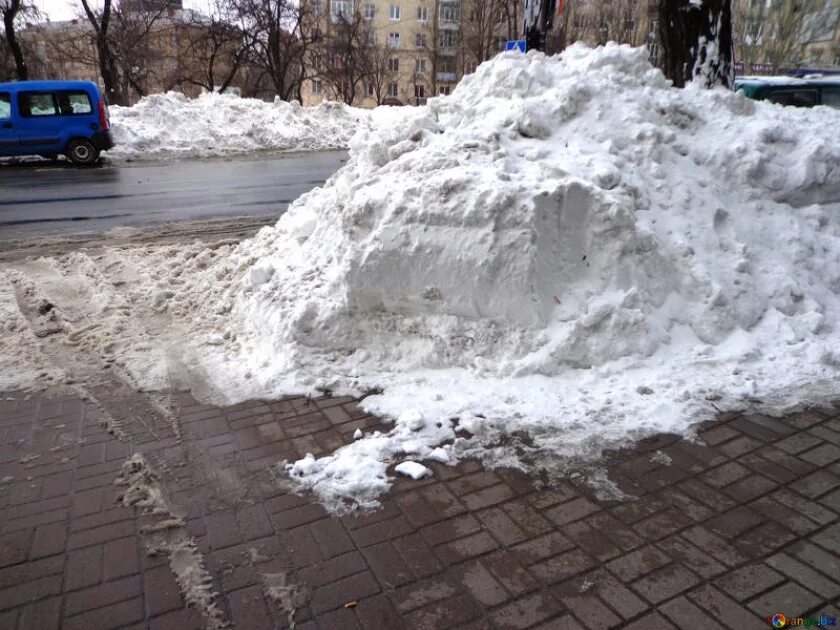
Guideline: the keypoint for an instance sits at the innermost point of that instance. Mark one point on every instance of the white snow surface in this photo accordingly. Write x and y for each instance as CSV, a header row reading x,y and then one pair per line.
x,y
172,125
566,248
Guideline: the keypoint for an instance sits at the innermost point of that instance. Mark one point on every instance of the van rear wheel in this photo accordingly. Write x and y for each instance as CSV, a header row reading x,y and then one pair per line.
x,y
81,151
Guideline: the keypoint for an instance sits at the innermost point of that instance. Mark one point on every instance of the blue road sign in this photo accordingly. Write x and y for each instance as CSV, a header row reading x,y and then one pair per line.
x,y
515,44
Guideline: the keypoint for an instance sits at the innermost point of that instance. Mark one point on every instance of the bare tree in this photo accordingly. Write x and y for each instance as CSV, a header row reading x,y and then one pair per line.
x,y
379,73
282,34
11,10
346,55
100,22
214,49
696,39
484,21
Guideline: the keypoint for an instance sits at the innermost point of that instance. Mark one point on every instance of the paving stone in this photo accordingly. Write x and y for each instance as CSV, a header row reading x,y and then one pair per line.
x,y
387,564
734,522
829,538
764,539
562,566
725,609
467,547
816,484
377,613
421,593
526,612
804,575
638,563
592,611
684,614
570,511
691,556
448,613
481,584
822,455
107,617
748,581
41,615
102,595
542,547
725,474
651,621
509,572
787,597
662,524
665,583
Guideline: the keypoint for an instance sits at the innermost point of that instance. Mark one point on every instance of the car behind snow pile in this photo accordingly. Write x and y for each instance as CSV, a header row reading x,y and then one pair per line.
x,y
806,92
48,118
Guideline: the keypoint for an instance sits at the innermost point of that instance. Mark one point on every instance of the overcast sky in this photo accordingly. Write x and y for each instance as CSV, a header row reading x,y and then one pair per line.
x,y
67,9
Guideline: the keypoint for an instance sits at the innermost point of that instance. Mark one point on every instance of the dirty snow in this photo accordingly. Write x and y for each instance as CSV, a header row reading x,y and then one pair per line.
x,y
166,125
564,255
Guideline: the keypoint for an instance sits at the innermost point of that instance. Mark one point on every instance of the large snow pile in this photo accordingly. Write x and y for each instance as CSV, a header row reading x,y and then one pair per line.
x,y
567,247
214,124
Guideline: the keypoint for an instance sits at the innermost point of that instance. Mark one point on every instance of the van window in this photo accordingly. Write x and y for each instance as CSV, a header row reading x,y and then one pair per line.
x,y
5,105
829,97
36,104
73,103
796,98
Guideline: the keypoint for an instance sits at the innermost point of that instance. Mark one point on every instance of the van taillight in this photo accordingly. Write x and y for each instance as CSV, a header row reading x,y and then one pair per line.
x,y
103,116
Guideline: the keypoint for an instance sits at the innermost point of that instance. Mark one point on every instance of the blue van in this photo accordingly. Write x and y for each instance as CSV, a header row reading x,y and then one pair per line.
x,y
49,118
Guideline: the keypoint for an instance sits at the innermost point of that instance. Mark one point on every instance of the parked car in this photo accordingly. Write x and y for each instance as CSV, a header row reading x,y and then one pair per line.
x,y
50,118
806,92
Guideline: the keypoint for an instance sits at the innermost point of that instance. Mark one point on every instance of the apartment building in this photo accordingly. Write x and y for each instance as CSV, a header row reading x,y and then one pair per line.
x,y
413,49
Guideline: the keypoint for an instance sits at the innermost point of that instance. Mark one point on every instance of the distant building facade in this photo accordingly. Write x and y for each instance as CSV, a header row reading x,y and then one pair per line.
x,y
418,48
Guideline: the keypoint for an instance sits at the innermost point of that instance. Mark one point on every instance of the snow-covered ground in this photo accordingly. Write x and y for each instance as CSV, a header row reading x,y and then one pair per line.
x,y
172,125
563,255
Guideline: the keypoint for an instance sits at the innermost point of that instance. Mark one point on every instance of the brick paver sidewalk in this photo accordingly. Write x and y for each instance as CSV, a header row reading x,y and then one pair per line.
x,y
720,534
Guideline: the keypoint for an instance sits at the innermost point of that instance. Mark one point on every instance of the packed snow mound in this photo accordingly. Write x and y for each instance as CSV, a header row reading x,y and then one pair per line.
x,y
555,213
566,246
218,124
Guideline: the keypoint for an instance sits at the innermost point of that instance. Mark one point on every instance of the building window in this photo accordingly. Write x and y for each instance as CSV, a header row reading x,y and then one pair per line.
x,y
393,90
393,64
421,40
341,8
448,13
419,65
370,38
368,11
419,91
393,40
316,6
316,87
448,39
370,91
394,13
422,14
444,90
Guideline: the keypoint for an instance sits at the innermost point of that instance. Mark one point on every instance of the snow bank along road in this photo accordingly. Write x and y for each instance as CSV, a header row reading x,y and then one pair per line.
x,y
37,201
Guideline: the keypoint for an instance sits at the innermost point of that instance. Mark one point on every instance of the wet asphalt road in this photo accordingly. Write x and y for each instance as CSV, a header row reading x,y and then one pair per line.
x,y
56,200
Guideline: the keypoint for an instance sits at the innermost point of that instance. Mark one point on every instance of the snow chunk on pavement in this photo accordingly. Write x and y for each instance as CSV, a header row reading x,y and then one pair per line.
x,y
412,469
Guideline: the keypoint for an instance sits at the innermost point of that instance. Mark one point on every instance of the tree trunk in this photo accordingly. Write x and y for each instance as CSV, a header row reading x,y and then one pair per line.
x,y
9,16
696,41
